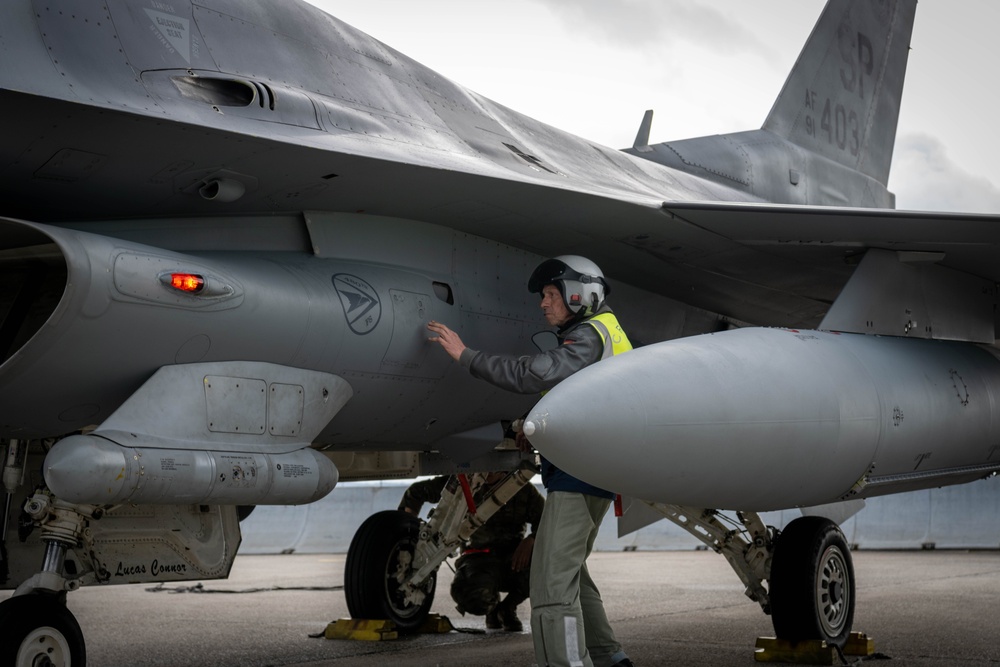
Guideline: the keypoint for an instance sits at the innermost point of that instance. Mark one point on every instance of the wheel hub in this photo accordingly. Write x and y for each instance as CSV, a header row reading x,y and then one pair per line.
x,y
44,647
831,591
405,598
836,591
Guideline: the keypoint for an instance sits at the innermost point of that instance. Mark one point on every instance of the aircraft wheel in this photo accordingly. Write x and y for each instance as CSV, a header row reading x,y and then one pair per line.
x,y
380,556
812,582
38,630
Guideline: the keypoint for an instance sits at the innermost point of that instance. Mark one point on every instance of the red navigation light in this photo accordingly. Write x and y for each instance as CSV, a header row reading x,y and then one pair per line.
x,y
191,283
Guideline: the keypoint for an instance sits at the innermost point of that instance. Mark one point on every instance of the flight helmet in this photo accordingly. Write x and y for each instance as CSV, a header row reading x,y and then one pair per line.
x,y
579,280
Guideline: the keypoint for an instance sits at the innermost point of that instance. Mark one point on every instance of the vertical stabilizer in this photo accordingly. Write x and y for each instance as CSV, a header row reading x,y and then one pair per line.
x,y
842,98
642,136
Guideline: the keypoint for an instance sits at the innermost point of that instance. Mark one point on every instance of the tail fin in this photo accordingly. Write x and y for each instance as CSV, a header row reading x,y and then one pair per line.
x,y
841,99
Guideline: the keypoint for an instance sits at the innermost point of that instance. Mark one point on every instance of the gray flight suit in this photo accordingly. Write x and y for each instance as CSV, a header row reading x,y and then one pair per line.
x,y
568,623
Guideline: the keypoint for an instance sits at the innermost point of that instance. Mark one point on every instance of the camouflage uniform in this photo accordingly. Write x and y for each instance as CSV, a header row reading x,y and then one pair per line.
x,y
484,569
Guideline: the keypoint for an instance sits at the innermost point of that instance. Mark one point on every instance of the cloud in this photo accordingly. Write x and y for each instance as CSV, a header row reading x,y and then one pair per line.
x,y
924,178
642,25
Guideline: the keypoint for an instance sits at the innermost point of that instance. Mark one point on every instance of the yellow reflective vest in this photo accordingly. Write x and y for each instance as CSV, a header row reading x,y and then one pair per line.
x,y
611,333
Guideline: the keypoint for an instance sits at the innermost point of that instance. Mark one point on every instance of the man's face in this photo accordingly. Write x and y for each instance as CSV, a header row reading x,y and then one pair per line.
x,y
553,307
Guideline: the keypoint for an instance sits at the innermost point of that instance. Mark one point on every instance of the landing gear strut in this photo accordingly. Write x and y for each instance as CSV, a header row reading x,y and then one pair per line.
x,y
380,563
810,592
36,628
392,563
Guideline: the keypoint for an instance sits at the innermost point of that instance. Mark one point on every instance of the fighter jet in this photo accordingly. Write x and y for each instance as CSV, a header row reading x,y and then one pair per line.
x,y
225,224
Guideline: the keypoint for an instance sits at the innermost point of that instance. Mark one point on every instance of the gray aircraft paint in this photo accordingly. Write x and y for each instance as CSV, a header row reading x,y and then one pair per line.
x,y
777,418
335,195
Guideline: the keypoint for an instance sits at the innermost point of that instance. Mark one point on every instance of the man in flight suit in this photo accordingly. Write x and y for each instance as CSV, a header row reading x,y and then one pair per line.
x,y
498,556
568,623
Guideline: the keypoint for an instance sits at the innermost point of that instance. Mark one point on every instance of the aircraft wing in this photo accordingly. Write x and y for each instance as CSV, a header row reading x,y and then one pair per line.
x,y
341,122
785,265
770,264
750,261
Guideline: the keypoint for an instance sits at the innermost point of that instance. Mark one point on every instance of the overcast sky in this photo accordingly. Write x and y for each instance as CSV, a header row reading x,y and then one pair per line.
x,y
592,67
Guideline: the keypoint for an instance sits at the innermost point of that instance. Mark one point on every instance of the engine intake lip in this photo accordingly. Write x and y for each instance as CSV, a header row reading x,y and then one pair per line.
x,y
33,282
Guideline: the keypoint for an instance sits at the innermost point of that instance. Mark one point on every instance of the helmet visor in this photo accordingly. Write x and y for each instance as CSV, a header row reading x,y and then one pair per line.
x,y
553,271
548,273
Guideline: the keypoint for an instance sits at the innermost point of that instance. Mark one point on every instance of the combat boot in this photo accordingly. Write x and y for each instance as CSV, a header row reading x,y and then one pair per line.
x,y
507,615
493,621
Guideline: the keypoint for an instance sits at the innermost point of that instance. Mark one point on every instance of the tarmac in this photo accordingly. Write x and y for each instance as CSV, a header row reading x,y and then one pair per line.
x,y
686,608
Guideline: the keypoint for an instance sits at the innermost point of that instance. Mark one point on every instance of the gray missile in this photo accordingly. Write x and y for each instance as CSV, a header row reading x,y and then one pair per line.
x,y
93,470
765,419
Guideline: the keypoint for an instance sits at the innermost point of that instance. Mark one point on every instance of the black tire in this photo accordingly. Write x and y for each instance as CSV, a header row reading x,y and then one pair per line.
x,y
812,582
373,566
38,629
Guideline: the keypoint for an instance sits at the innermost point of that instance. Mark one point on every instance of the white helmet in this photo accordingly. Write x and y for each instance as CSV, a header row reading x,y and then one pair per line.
x,y
579,280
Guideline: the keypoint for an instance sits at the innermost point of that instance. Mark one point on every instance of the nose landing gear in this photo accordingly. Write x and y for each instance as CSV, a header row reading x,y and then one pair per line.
x,y
36,628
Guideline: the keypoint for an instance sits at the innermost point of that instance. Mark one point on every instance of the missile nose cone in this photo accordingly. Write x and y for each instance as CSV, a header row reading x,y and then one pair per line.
x,y
529,428
81,468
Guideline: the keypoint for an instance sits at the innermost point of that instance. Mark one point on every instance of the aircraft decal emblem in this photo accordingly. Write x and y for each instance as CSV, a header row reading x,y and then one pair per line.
x,y
173,31
362,306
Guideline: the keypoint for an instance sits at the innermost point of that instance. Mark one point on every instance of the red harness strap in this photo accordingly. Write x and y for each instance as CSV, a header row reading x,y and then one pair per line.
x,y
467,490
